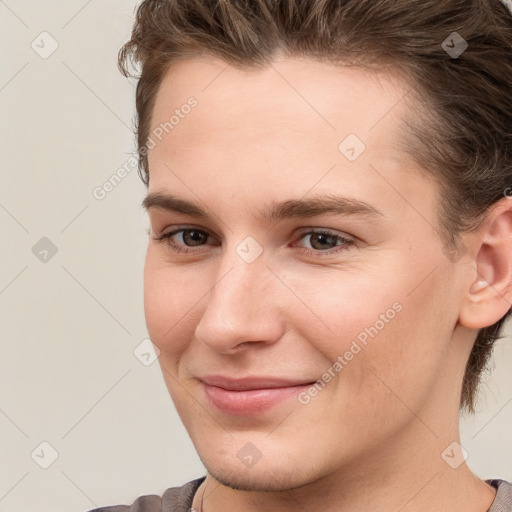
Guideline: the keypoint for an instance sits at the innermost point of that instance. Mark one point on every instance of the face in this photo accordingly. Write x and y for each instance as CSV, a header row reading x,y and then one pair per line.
x,y
298,253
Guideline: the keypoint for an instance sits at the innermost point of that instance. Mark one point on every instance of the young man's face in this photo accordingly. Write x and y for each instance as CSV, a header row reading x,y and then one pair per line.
x,y
368,310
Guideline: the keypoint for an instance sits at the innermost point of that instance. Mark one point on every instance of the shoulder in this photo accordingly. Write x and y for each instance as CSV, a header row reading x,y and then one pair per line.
x,y
503,500
174,499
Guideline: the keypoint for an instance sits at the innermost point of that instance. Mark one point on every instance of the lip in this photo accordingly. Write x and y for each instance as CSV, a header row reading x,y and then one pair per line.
x,y
250,395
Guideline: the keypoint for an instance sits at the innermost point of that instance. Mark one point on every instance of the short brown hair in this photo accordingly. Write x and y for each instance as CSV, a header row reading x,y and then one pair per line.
x,y
463,135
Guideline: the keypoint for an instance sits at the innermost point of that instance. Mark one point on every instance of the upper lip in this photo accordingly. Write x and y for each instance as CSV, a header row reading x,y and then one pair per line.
x,y
256,382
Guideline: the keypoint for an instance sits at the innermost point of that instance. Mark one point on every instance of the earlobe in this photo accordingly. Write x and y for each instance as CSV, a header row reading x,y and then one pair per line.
x,y
489,295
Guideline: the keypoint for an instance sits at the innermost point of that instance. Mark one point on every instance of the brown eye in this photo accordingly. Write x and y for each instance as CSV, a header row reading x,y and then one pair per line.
x,y
184,239
321,242
193,237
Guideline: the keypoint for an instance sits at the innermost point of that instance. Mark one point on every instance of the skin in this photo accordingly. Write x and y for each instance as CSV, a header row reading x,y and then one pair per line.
x,y
372,439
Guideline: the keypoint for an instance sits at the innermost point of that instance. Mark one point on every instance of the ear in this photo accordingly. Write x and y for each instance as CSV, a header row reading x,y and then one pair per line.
x,y
489,291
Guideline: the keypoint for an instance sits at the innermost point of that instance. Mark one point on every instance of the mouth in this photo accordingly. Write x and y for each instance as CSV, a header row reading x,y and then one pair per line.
x,y
250,395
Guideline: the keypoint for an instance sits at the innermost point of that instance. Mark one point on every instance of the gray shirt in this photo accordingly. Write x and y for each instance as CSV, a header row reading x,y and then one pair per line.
x,y
179,499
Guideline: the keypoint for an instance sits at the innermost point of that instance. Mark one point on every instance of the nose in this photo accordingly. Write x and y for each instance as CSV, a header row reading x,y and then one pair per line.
x,y
243,306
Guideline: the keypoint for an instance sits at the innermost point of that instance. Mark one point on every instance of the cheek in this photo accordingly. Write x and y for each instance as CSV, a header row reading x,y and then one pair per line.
x,y
172,296
341,307
402,362
386,335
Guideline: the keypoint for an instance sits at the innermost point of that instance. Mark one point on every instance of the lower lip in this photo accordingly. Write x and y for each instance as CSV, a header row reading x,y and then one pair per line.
x,y
249,402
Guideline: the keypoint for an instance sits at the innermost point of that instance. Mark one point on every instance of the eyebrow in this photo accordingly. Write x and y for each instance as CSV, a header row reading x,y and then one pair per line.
x,y
274,211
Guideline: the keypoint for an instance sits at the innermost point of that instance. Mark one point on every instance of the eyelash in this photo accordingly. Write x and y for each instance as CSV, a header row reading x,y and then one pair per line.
x,y
345,243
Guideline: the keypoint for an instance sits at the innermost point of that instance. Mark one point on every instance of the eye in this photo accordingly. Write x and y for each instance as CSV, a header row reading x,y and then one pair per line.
x,y
186,238
322,241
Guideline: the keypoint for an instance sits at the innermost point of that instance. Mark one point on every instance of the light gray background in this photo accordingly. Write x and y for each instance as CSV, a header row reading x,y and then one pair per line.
x,y
70,325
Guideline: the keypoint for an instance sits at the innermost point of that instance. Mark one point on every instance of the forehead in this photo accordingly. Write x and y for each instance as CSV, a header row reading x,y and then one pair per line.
x,y
300,95
282,131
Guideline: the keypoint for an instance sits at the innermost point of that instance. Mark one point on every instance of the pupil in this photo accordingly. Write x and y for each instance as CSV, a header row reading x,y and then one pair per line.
x,y
194,236
322,238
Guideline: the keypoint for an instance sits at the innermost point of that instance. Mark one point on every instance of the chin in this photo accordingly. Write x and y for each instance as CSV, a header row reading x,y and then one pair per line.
x,y
272,472
263,479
